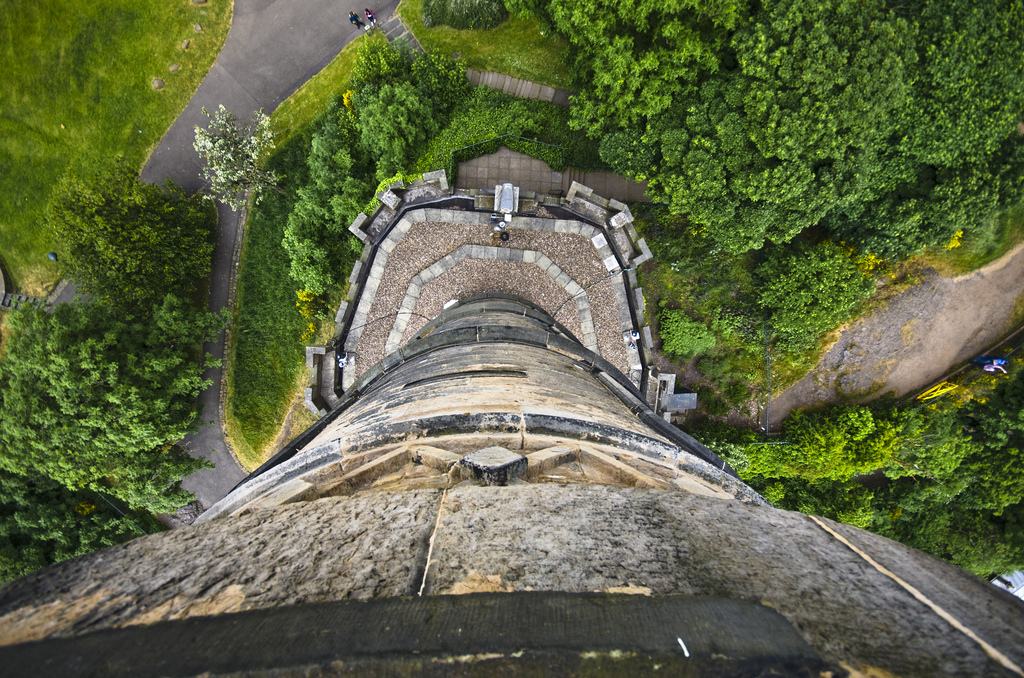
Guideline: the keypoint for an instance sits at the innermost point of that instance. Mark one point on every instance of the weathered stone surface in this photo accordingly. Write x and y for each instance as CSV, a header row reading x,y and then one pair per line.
x,y
185,44
494,465
158,84
174,68
542,537
330,549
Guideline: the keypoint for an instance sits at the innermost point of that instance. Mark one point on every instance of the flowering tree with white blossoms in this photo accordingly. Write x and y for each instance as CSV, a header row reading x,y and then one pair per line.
x,y
232,156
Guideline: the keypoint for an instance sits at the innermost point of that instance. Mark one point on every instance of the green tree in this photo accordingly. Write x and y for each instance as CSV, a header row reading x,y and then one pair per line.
x,y
441,80
42,522
774,141
630,61
317,238
808,291
90,398
683,337
395,124
379,63
232,156
128,242
997,425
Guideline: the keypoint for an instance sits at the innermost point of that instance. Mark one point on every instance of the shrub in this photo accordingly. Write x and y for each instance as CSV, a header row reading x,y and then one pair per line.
x,y
809,291
379,63
480,14
685,338
441,80
628,153
395,123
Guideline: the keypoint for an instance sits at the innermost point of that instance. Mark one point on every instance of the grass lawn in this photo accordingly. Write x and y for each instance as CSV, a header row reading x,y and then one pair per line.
x,y
266,365
75,90
514,48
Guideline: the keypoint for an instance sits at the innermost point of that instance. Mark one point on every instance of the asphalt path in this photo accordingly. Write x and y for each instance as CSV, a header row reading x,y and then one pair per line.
x,y
274,46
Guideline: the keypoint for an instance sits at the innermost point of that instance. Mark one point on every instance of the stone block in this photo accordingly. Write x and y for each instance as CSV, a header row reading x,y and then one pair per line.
x,y
620,220
543,461
648,339
641,305
391,200
354,276
611,264
494,465
434,457
529,256
599,240
544,262
679,402
356,227
623,473
341,312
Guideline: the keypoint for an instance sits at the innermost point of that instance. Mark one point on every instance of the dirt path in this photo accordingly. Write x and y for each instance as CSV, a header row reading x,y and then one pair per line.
x,y
915,338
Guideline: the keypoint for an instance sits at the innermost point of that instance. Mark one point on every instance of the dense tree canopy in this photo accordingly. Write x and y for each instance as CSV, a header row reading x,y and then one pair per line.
x,y
42,522
90,398
129,242
892,126
317,238
809,290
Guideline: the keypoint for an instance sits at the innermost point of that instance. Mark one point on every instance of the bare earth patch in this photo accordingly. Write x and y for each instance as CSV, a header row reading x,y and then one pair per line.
x,y
915,339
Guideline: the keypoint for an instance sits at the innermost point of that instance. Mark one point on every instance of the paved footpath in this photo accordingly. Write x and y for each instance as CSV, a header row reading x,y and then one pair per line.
x,y
273,48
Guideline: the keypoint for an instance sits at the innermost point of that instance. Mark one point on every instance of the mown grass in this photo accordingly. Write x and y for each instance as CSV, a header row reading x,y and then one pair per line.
x,y
515,48
312,99
75,91
267,352
976,250
266,365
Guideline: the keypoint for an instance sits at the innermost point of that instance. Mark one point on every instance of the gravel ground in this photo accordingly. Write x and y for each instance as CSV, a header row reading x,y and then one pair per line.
x,y
915,338
426,242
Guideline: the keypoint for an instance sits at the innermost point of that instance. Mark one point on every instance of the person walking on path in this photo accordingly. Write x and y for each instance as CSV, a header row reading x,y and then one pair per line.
x,y
354,20
371,18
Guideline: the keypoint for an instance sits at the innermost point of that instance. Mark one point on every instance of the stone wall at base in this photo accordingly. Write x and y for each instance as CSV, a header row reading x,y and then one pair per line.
x,y
535,537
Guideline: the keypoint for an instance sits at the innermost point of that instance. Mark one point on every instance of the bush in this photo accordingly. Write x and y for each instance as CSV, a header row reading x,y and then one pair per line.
x,y
395,123
480,14
628,153
379,63
809,291
685,338
441,80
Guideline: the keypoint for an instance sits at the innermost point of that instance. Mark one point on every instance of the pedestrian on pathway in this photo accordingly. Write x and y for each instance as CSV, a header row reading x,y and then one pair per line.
x,y
354,20
371,18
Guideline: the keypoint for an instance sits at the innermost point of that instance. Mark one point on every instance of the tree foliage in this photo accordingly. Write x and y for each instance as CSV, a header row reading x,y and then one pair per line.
x,y
809,290
90,397
683,337
441,80
232,156
128,242
317,238
42,522
997,426
395,124
892,126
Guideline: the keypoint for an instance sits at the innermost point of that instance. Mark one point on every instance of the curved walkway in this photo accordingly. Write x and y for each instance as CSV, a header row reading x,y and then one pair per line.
x,y
273,48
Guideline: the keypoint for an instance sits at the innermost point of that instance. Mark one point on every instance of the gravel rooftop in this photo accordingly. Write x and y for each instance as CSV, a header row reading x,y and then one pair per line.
x,y
427,242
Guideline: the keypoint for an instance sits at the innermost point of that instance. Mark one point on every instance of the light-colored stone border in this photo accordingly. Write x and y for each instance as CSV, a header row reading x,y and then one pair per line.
x,y
449,261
